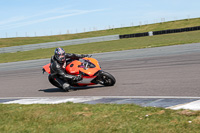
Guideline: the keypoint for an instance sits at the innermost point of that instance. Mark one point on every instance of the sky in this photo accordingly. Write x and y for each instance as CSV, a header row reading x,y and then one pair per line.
x,y
26,18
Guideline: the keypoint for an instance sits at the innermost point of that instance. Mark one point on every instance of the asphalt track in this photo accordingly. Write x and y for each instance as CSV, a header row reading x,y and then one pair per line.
x,y
171,71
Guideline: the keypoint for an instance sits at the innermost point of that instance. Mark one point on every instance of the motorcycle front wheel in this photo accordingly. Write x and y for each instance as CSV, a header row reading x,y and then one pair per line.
x,y
107,79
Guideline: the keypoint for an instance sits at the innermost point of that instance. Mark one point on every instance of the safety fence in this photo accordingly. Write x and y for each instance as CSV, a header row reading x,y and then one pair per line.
x,y
151,33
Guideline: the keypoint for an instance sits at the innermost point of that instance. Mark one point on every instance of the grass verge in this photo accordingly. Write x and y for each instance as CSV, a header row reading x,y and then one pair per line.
x,y
7,42
85,118
117,45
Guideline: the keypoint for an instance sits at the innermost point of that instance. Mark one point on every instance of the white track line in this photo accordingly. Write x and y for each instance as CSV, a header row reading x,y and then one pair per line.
x,y
195,105
192,106
61,97
50,100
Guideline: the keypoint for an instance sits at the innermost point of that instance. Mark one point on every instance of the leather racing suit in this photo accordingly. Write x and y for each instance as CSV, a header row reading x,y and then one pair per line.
x,y
59,76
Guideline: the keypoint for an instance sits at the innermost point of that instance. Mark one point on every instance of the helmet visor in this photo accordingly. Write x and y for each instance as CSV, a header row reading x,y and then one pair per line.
x,y
61,57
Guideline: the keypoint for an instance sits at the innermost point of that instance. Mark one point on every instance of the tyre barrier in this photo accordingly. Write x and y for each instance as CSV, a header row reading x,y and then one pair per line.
x,y
151,33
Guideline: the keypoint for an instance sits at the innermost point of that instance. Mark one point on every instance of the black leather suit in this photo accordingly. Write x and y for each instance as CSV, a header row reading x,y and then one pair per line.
x,y
58,74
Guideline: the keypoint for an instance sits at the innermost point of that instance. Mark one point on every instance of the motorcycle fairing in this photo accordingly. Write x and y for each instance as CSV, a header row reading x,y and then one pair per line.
x,y
75,67
87,80
47,68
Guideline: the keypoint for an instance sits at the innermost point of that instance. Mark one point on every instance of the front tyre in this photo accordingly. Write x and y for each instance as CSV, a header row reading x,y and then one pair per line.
x,y
107,79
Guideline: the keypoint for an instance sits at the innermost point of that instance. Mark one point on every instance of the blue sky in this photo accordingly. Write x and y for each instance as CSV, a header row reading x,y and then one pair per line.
x,y
50,17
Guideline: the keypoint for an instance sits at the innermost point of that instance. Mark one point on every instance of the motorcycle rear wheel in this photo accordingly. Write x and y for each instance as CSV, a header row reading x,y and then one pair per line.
x,y
108,79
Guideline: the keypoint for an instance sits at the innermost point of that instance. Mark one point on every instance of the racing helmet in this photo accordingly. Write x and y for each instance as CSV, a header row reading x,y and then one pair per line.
x,y
60,55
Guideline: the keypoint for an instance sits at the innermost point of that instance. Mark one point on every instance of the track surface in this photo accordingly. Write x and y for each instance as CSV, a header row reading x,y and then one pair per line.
x,y
166,71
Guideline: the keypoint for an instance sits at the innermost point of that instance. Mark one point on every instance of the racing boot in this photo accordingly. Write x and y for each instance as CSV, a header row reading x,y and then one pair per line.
x,y
66,87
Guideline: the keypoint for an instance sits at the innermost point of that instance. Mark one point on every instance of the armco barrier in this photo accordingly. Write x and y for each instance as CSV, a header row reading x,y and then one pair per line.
x,y
151,33
58,44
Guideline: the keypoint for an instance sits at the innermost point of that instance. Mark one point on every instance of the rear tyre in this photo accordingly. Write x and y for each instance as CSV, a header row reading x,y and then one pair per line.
x,y
107,79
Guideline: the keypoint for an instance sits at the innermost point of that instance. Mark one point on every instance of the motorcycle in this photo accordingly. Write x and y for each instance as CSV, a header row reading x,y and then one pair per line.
x,y
90,71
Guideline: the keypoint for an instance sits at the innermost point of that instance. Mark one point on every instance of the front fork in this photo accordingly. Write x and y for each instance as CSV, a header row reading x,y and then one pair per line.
x,y
98,80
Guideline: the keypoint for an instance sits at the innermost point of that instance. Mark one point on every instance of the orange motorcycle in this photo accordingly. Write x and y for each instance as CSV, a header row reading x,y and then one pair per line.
x,y
90,71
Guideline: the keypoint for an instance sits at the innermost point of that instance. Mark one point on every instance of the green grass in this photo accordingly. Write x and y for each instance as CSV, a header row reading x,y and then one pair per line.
x,y
7,42
85,118
117,45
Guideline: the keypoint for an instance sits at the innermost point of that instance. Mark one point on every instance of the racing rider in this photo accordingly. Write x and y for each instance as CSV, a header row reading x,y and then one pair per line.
x,y
59,77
